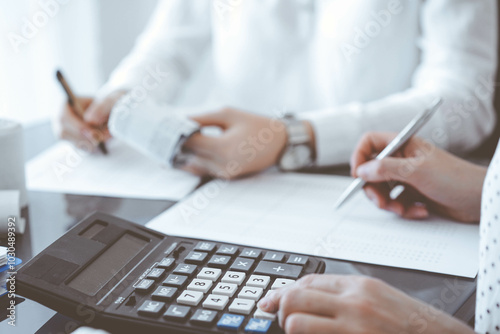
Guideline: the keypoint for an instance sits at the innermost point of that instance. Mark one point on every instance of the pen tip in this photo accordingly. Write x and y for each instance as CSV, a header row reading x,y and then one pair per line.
x,y
59,74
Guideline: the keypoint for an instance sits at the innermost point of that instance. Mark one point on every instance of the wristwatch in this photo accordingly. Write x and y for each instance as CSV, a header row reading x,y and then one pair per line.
x,y
298,153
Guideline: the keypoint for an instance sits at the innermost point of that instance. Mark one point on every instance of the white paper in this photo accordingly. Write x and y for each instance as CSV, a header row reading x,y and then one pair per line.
x,y
294,213
124,172
10,210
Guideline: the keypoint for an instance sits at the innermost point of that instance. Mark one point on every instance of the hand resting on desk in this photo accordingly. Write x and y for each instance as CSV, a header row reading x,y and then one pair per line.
x,y
354,305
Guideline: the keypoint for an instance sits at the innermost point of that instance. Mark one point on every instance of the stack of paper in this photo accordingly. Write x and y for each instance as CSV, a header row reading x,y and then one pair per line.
x,y
294,213
3,255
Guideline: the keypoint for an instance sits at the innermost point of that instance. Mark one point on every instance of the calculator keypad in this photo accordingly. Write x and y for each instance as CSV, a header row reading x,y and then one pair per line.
x,y
217,285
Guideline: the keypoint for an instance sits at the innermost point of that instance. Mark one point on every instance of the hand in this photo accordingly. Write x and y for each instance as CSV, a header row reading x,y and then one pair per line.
x,y
354,304
434,180
249,143
93,127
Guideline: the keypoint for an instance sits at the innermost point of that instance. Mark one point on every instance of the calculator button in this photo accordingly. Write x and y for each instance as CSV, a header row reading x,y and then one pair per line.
x,y
185,269
175,280
258,326
233,277
205,246
278,269
202,285
297,259
191,298
281,282
230,321
242,306
250,252
195,257
166,263
250,292
145,285
155,274
151,308
225,289
177,312
209,273
259,281
219,261
216,302
203,317
164,293
259,314
242,264
227,250
274,256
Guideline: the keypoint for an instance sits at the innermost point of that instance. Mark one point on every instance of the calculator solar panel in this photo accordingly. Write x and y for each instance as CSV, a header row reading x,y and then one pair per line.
x,y
112,274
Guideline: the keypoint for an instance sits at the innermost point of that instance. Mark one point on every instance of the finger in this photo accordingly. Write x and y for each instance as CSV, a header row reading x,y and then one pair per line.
x,y
309,301
370,144
416,211
387,170
379,193
202,167
326,283
75,128
303,323
222,118
97,113
204,146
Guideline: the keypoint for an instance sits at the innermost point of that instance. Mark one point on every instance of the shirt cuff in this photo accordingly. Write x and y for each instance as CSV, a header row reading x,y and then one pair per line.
x,y
337,132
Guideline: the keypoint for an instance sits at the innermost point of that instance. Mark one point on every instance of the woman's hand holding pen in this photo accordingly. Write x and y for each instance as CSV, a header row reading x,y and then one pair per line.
x,y
434,180
93,127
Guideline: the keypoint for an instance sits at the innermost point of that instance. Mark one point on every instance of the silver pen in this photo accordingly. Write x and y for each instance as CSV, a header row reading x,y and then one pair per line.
x,y
409,131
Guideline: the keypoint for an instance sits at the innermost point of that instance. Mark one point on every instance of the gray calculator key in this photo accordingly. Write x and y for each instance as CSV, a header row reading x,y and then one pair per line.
x,y
250,253
203,317
195,257
227,250
177,312
205,246
274,256
185,269
278,269
219,261
151,308
298,259
175,280
166,263
242,264
164,293
145,285
155,274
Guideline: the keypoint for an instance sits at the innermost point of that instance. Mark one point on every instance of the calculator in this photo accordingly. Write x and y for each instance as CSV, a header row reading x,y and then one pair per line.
x,y
125,278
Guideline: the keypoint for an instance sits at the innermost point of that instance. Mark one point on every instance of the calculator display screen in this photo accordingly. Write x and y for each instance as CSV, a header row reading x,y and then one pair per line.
x,y
98,273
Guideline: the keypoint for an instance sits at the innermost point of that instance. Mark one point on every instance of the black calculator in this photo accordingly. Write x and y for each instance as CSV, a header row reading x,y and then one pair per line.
x,y
125,278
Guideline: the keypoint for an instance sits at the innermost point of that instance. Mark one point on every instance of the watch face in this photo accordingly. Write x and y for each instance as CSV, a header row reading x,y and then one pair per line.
x,y
296,157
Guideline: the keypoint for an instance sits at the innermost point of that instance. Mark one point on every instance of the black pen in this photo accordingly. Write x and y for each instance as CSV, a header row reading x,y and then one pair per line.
x,y
73,102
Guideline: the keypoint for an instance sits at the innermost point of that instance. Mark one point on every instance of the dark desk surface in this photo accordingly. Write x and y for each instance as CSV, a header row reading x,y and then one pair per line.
x,y
49,215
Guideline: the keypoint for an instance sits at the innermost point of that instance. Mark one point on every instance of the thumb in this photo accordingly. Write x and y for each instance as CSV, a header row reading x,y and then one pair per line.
x,y
97,114
385,170
222,118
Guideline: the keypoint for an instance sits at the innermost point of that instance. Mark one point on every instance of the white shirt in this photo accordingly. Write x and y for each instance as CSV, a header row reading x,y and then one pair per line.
x,y
346,66
488,287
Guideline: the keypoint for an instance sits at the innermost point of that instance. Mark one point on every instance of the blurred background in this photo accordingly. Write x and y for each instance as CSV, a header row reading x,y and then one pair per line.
x,y
86,39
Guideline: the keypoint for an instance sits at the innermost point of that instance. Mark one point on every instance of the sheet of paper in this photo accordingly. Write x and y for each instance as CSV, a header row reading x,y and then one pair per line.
x,y
123,173
294,213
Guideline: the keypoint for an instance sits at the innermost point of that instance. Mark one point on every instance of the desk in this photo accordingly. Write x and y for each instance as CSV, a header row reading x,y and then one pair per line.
x,y
50,215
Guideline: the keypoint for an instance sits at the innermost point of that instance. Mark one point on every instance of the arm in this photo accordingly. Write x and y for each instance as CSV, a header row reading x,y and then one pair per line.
x,y
163,59
458,63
